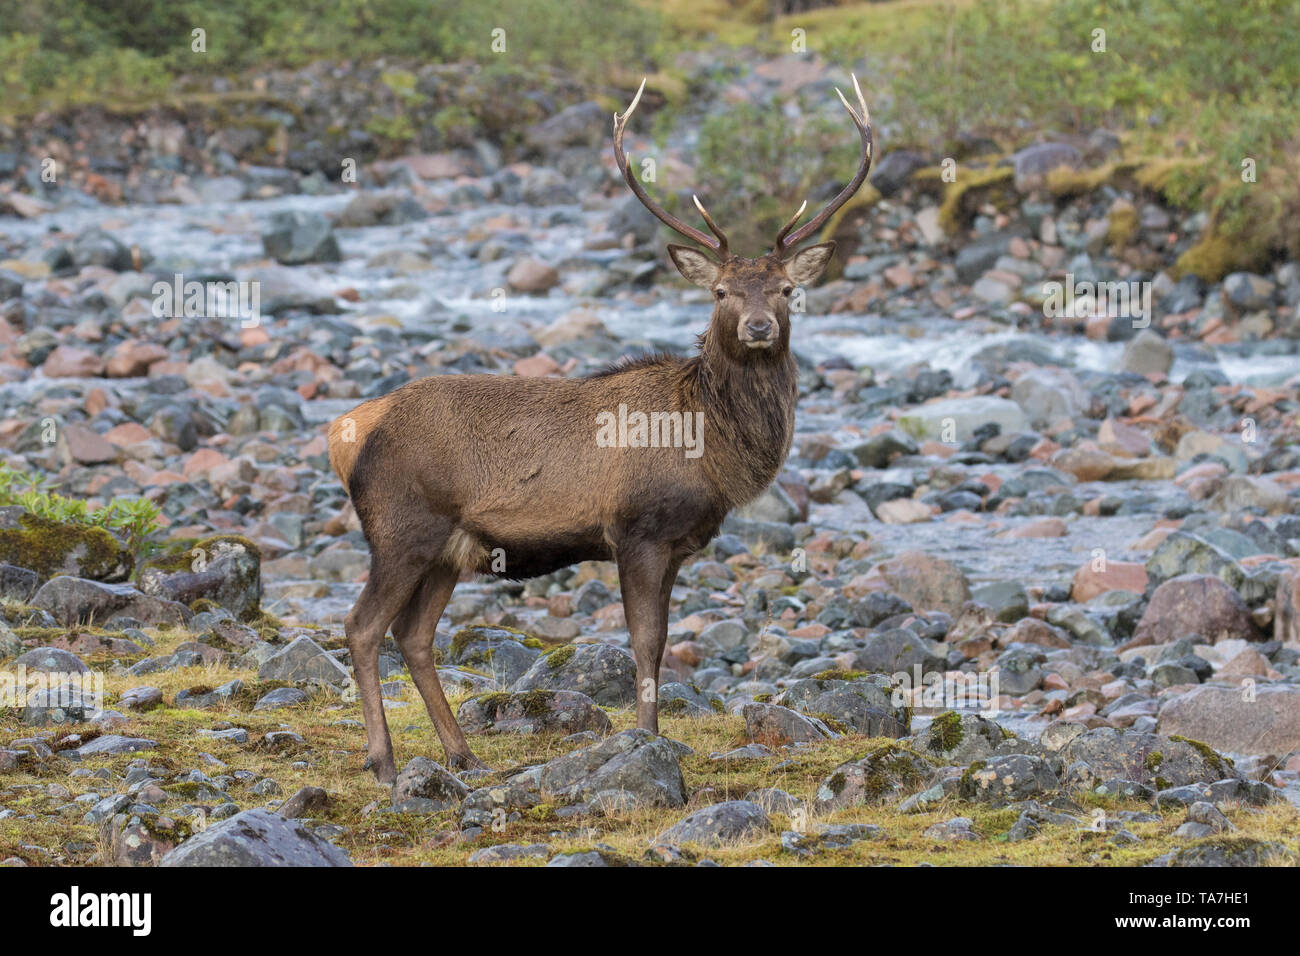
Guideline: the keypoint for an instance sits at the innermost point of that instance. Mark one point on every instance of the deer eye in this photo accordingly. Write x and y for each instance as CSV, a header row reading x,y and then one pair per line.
x,y
788,291
720,293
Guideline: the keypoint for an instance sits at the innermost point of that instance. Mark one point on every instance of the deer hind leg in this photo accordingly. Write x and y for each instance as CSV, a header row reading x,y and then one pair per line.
x,y
414,632
398,564
646,573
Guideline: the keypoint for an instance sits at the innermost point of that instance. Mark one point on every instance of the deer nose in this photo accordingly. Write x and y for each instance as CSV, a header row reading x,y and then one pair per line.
x,y
758,328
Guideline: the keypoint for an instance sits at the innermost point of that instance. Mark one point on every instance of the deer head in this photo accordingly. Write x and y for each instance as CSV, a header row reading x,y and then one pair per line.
x,y
751,310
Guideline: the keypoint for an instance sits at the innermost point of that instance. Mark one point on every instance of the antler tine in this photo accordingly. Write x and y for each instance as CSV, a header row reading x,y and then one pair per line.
x,y
786,239
713,227
718,245
780,236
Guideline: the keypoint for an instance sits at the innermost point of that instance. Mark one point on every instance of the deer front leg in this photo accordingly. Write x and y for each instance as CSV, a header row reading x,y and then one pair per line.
x,y
646,573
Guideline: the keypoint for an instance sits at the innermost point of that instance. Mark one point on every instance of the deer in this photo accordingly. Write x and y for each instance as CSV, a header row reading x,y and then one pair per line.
x,y
449,471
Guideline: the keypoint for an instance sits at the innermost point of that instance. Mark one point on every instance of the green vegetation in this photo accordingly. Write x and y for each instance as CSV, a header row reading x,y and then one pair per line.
x,y
70,52
135,519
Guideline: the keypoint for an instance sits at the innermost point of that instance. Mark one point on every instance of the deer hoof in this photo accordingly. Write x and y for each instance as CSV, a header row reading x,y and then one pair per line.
x,y
385,770
465,761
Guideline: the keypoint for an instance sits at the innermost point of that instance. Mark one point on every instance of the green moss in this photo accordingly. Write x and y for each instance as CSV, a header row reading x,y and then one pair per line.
x,y
718,707
1217,254
833,723
1212,756
836,783
561,656
1123,224
51,547
964,197
834,674
1154,759
762,698
946,732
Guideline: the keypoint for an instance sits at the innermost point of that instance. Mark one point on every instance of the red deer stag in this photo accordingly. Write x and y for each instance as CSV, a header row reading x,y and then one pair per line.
x,y
448,469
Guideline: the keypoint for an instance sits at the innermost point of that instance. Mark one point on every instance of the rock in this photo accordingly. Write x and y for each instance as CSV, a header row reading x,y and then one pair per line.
x,y
298,237
1240,492
1193,604
74,601
894,169
1286,608
776,726
1148,353
281,697
863,706
70,361
1089,582
380,209
1033,163
17,584
533,712
960,739
67,703
634,761
1207,814
427,780
50,548
111,745
1008,778
1242,851
1264,721
926,582
898,650
1248,292
731,822
140,698
1130,755
256,838
883,775
50,660
506,852
493,650
225,569
1050,394
582,124
956,419
305,802
1184,553
304,662
87,447
605,674
532,276
958,828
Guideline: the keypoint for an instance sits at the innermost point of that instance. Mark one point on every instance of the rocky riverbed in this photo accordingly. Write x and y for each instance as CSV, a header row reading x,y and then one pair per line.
x,y
1028,589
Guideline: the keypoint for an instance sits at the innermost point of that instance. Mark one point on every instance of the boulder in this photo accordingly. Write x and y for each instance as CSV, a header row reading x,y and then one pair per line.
x,y
256,838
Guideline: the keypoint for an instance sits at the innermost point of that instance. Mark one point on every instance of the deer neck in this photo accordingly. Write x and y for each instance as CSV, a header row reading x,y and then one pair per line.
x,y
748,402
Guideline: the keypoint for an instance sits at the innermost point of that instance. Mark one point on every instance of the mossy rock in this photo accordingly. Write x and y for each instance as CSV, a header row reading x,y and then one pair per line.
x,y
964,198
225,569
843,228
885,774
532,712
52,547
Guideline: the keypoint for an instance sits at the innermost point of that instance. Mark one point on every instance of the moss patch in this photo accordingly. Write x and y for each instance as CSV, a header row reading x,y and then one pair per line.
x,y
51,547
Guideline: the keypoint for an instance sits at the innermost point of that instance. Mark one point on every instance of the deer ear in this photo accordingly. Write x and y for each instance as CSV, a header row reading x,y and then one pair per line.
x,y
694,265
807,264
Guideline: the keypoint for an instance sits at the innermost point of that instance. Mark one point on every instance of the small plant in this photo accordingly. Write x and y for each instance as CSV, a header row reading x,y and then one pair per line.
x,y
135,519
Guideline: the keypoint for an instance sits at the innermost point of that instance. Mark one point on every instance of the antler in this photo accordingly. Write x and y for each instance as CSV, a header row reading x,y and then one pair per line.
x,y
718,245
785,239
